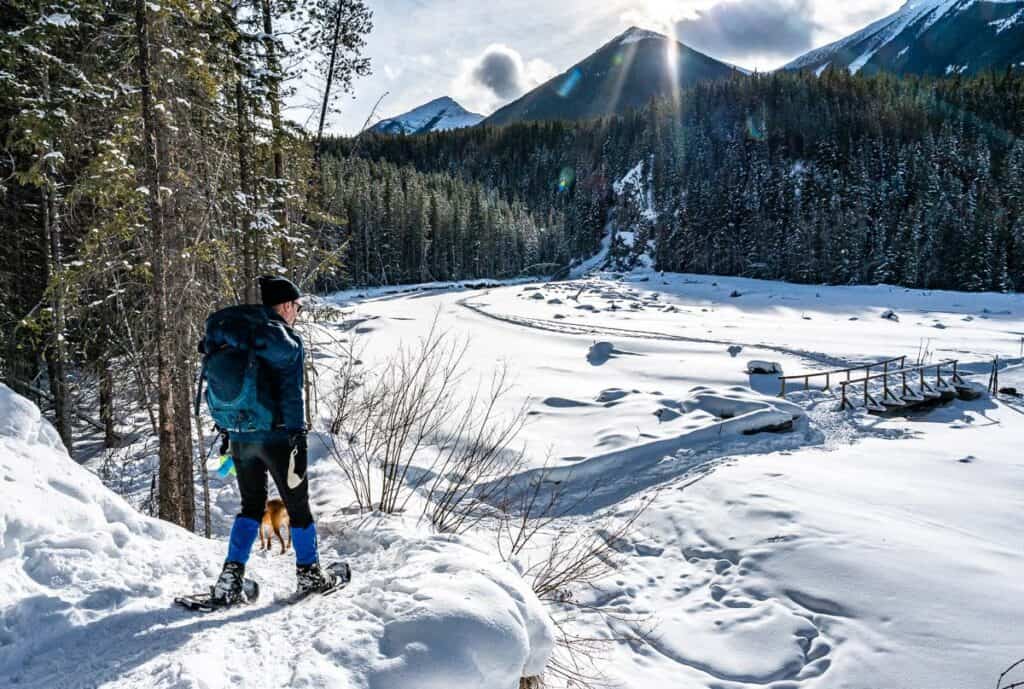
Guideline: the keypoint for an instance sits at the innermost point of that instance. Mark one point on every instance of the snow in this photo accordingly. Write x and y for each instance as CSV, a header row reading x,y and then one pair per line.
x,y
764,367
635,35
86,583
60,19
22,421
849,551
631,179
921,14
440,114
774,541
1002,25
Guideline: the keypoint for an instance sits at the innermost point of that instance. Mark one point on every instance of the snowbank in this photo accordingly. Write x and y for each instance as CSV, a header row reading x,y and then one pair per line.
x,y
20,419
70,550
86,584
451,616
708,420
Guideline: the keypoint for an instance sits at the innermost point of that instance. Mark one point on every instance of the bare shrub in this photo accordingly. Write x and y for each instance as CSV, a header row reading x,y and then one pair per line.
x,y
563,557
401,428
476,464
1007,671
381,421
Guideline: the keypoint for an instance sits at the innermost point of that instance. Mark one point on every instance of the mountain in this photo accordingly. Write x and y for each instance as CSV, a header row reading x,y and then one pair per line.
x,y
932,37
624,74
438,115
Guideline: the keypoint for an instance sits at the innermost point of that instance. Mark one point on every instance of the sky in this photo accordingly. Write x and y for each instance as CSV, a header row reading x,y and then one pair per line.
x,y
486,53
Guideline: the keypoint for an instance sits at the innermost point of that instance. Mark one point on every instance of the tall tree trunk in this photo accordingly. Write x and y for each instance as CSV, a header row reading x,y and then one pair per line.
x,y
170,499
250,259
107,404
183,427
55,352
327,90
280,207
204,474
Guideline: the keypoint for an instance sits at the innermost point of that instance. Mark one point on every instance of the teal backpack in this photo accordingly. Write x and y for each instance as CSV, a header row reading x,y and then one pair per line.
x,y
239,393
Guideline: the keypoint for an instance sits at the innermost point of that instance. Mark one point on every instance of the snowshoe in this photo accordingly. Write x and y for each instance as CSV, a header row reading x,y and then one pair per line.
x,y
207,601
231,588
311,579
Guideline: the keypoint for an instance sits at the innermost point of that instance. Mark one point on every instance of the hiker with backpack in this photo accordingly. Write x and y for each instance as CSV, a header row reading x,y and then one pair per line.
x,y
253,368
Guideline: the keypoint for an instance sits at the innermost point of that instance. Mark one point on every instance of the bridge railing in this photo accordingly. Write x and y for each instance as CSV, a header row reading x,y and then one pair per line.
x,y
839,373
907,393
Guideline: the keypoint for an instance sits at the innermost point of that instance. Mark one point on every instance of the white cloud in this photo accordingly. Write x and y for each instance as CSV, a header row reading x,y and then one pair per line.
x,y
496,76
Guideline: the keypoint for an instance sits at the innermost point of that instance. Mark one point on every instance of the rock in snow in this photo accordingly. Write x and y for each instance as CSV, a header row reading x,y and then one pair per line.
x,y
86,584
764,367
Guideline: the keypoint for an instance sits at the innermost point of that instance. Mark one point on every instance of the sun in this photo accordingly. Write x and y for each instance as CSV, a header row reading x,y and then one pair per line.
x,y
661,15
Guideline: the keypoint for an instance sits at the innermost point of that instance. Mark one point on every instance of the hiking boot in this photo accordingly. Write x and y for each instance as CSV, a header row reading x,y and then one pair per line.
x,y
311,579
228,589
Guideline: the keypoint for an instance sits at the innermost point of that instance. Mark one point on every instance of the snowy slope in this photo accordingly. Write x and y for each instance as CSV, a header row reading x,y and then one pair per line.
x,y
853,552
930,37
440,114
86,584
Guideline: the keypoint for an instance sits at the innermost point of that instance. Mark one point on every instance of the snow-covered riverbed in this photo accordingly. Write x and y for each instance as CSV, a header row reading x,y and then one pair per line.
x,y
858,553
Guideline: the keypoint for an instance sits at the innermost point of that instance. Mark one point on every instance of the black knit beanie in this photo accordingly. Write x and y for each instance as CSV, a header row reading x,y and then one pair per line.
x,y
275,290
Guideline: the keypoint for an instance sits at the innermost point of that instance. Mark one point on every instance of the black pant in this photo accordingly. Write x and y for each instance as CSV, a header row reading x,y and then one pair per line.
x,y
253,461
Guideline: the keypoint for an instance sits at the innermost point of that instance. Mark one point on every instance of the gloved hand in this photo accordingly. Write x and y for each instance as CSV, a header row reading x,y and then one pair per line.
x,y
297,459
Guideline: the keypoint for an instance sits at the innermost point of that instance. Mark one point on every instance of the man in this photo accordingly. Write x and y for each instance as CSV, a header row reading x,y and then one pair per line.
x,y
267,430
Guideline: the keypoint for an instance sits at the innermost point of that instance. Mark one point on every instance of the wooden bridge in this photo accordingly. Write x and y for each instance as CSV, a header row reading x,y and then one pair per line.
x,y
891,385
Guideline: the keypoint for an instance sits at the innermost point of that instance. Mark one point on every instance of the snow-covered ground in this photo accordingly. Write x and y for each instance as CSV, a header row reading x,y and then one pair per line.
x,y
86,584
842,551
853,552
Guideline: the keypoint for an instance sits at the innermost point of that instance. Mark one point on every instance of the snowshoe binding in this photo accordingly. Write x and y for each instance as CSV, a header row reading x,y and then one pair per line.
x,y
311,579
232,588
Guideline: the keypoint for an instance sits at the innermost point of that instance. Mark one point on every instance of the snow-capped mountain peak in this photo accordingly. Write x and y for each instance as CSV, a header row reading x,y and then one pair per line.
x,y
635,34
440,114
930,37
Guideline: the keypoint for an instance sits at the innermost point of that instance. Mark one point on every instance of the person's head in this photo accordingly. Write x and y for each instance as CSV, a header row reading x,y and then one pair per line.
x,y
281,295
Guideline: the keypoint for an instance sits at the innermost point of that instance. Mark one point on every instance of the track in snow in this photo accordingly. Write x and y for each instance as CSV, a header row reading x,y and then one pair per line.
x,y
580,329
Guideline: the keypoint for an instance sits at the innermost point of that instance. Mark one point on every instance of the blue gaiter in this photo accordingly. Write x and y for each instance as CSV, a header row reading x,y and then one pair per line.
x,y
304,541
243,535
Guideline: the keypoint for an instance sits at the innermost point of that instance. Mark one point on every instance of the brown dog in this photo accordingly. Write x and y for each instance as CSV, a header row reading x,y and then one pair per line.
x,y
274,518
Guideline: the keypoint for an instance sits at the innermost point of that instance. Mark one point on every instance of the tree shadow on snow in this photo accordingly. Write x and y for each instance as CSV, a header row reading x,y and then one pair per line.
x,y
765,384
88,655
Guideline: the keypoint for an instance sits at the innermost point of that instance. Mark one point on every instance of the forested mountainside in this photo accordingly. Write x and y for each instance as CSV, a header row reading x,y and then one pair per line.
x,y
839,178
404,226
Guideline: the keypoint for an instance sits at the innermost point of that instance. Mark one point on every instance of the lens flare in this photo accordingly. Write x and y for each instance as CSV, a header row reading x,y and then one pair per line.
x,y
570,82
754,129
565,178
